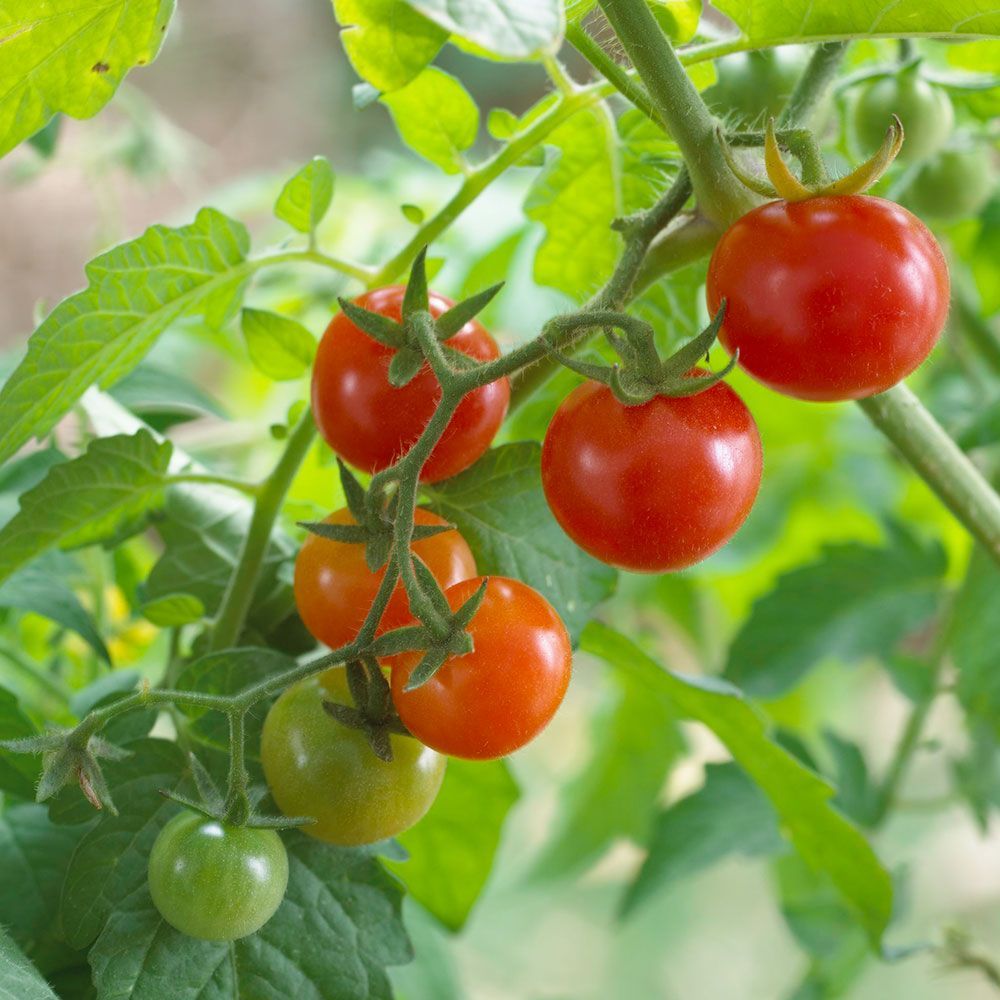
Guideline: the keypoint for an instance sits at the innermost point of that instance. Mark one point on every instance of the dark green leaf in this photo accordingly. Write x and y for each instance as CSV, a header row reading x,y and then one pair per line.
x,y
728,815
306,196
163,398
463,825
826,840
857,796
854,601
18,772
19,979
87,500
333,936
500,510
135,292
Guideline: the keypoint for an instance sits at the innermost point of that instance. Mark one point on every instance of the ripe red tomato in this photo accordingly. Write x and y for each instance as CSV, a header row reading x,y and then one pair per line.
x,y
829,298
334,588
370,423
652,487
318,767
490,702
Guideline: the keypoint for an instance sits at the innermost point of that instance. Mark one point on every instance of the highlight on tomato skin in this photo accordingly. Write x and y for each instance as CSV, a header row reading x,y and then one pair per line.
x,y
494,700
830,298
316,766
655,487
371,423
334,588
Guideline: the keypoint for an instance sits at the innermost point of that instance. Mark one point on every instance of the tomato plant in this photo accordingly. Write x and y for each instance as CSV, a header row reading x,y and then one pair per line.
x,y
653,487
371,423
317,767
365,717
214,881
830,298
334,588
500,695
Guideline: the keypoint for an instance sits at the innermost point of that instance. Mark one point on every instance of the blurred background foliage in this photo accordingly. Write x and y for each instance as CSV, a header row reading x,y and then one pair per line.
x,y
240,96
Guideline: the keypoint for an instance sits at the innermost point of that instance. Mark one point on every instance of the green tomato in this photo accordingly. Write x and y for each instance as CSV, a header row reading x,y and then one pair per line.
x,y
954,185
316,766
924,110
215,881
753,86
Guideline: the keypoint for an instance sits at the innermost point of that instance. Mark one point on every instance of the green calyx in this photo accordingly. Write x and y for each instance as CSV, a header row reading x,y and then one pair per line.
x,y
642,374
406,336
373,713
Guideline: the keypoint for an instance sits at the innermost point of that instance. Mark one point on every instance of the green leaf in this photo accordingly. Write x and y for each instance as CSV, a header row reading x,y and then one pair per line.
x,y
773,22
678,18
463,825
436,117
42,588
634,741
728,815
824,838
34,856
87,500
649,161
135,292
226,673
163,398
334,934
500,510
387,42
202,531
575,198
974,643
515,29
18,771
19,979
19,476
70,57
280,347
306,197
111,859
819,612
173,610
857,795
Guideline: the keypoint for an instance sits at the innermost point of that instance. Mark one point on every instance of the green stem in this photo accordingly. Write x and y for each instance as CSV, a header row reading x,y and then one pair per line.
x,y
946,469
237,803
977,331
239,594
812,85
680,107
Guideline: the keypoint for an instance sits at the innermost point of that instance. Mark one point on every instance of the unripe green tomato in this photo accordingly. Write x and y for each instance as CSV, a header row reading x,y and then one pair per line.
x,y
924,110
954,185
317,766
754,86
214,881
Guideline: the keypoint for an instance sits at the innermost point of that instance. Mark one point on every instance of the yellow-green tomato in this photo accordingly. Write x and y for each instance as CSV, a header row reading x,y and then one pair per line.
x,y
924,110
954,185
316,766
215,881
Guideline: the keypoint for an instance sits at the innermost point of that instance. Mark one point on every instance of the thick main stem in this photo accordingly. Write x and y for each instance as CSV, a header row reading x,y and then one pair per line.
x,y
239,594
680,107
923,442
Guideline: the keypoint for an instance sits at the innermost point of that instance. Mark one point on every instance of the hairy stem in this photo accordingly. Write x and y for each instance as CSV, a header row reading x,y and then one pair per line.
x,y
812,85
239,594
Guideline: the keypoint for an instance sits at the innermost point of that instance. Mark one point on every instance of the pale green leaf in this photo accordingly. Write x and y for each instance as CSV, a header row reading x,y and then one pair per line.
x,y
173,610
281,348
436,117
824,838
387,41
516,29
678,18
69,56
306,196
135,292
86,500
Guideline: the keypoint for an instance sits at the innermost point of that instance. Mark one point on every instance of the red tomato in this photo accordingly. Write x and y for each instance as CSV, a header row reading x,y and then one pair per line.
x,y
334,588
652,487
370,423
829,298
492,701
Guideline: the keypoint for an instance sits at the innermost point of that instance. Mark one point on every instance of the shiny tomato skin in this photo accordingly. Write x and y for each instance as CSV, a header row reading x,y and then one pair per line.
x,y
334,588
214,881
829,298
492,701
316,766
371,423
653,487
